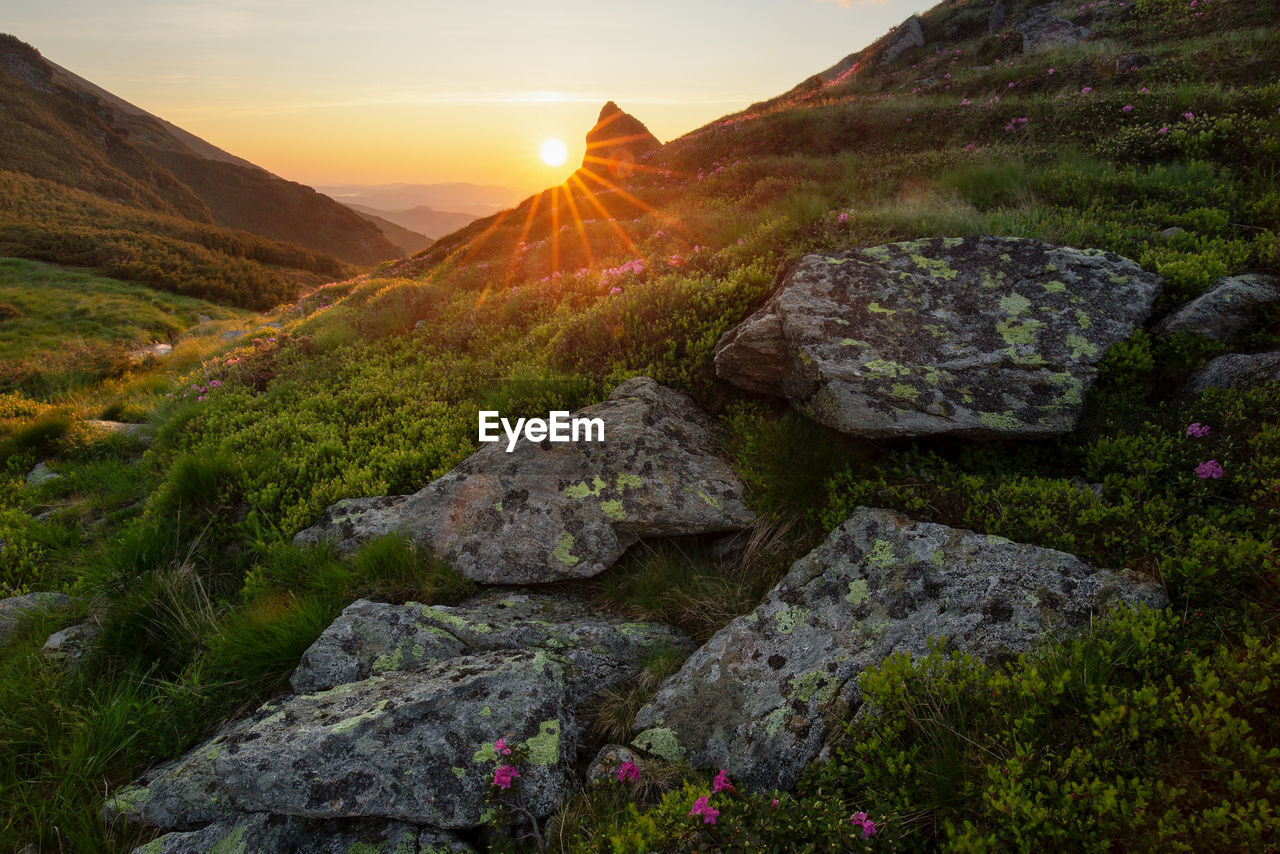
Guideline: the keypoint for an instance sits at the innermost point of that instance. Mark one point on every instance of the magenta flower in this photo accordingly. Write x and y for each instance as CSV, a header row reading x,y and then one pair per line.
x,y
1144,91
614,291
701,807
627,771
1127,108
1164,130
1086,90
773,805
1052,71
965,102
504,775
721,781
1211,470
500,746
844,217
1189,116
868,826
1196,430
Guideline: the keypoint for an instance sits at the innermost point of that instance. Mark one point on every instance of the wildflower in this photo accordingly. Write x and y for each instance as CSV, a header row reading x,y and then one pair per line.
x,y
1144,91
1053,71
500,746
1086,90
1196,430
614,291
1209,470
215,383
701,807
1127,108
1164,130
971,147
965,102
504,775
868,826
773,805
721,781
200,398
844,217
1189,116
627,771
915,91
1011,85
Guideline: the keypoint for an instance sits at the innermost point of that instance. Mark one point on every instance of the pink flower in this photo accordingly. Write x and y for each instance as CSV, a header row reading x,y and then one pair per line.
x,y
844,217
614,291
1086,90
627,771
1196,430
773,805
500,746
1052,71
1144,91
701,807
971,147
504,775
1127,108
721,781
1164,130
965,102
1011,85
1189,116
868,826
1211,470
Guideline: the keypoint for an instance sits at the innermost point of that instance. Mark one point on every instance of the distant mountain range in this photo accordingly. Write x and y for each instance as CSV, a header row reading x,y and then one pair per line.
x,y
421,219
59,128
480,200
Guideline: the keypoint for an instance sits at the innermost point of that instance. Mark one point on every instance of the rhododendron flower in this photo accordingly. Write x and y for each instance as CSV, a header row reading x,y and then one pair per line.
x,y
701,807
773,804
1209,470
1086,90
721,781
1053,71
868,826
1196,430
614,291
1144,91
1189,116
504,775
1164,130
627,771
844,217
1127,108
500,746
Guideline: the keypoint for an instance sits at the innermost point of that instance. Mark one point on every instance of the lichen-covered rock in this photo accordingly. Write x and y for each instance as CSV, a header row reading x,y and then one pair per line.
x,y
904,37
1042,30
371,638
1228,311
752,698
609,759
1238,370
261,833
68,647
353,521
182,794
551,511
975,336
14,609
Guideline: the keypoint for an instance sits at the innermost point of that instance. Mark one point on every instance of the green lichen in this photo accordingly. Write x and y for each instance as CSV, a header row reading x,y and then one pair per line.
x,y
938,558
561,553
1081,346
355,720
904,391
1014,304
613,510
787,619
1083,319
876,308
458,772
391,661
857,591
486,711
232,843
661,742
544,748
886,368
1016,334
937,268
585,490
1054,287
999,420
626,479
881,555
815,683
711,500
773,722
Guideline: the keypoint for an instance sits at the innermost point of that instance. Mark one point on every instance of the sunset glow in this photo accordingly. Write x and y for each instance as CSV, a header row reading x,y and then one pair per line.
x,y
553,152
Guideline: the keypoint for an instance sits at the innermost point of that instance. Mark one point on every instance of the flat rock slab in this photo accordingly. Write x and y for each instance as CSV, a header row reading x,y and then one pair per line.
x,y
752,698
975,336
14,609
553,511
261,833
1238,370
1234,307
410,746
372,638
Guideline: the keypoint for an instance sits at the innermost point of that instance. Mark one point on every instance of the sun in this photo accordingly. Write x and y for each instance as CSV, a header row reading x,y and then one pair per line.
x,y
553,152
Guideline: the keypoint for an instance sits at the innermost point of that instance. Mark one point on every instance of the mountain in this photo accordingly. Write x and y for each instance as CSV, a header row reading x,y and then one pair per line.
x,y
59,127
408,241
422,219
477,199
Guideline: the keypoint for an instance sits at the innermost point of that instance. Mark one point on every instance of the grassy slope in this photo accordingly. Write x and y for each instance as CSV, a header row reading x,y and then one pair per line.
x,y
1082,747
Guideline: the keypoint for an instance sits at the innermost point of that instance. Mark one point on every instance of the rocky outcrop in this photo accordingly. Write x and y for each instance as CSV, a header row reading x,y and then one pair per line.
x,y
1230,310
975,336
1042,31
1238,370
16,608
904,37
262,833
616,143
398,709
752,698
551,511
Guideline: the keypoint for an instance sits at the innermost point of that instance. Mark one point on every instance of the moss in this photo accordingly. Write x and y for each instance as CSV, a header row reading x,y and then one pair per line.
x,y
904,391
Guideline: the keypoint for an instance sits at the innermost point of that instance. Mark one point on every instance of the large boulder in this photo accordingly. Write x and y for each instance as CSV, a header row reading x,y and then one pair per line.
x,y
903,38
552,511
371,638
1234,307
976,336
753,698
1237,370
1043,30
616,142
262,833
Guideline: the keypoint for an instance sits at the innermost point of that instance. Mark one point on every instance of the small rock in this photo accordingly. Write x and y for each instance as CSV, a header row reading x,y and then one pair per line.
x,y
14,609
1170,233
134,431
607,762
203,318
1237,370
41,473
1043,31
68,647
233,334
1132,62
1230,310
904,37
270,325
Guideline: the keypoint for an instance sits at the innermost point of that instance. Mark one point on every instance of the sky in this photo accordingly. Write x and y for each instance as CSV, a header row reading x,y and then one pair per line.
x,y
382,91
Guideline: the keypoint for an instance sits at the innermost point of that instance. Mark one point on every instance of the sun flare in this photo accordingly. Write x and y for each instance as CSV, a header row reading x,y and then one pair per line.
x,y
553,152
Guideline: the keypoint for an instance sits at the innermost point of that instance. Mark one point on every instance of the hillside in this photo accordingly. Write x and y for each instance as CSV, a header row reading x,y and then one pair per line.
x,y
408,241
421,219
61,128
940,507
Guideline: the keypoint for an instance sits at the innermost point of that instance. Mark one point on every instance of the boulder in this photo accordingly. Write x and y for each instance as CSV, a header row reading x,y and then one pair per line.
x,y
1230,310
1237,370
140,432
974,336
372,638
14,609
552,511
1042,31
267,834
41,473
68,647
903,38
616,142
233,334
753,698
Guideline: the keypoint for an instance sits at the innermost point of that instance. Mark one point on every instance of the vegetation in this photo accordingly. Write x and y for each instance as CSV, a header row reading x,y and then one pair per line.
x,y
1152,731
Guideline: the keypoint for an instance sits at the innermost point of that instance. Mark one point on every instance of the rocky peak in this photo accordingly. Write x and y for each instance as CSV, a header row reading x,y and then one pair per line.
x,y
616,142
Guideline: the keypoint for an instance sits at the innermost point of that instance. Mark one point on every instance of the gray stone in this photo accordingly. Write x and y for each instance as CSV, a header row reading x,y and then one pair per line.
x,y
372,638
233,334
753,698
261,833
1234,307
133,431
1170,233
182,794
41,473
975,336
1237,370
16,608
203,318
68,647
995,19
553,511
904,37
353,521
1131,62
1042,31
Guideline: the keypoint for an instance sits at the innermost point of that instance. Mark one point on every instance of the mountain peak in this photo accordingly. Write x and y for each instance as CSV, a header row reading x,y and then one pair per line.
x,y
617,141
